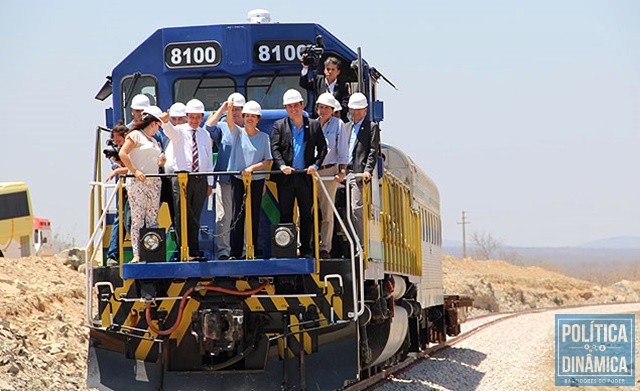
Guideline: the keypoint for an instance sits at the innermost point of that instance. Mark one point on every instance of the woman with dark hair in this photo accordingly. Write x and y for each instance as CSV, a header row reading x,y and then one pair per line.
x,y
142,155
251,152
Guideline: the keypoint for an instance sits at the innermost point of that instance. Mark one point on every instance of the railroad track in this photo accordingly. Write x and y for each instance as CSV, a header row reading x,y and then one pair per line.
x,y
384,376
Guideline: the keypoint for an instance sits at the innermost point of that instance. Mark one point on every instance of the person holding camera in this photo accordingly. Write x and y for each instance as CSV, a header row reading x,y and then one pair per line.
x,y
142,155
327,82
116,141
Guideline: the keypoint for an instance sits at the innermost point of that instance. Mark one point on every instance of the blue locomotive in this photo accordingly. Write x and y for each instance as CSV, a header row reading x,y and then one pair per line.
x,y
277,321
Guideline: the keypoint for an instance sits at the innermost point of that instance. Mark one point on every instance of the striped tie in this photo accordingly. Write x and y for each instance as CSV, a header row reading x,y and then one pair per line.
x,y
194,151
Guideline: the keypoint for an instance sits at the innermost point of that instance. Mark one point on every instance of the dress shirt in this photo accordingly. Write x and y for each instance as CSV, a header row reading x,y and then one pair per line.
x,y
182,139
353,139
298,147
332,86
337,142
224,141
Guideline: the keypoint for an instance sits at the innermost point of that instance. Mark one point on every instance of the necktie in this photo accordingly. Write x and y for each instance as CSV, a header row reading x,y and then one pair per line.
x,y
194,151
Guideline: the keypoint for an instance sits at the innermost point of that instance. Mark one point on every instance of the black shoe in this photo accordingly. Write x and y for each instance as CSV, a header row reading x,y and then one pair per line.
x,y
325,254
223,257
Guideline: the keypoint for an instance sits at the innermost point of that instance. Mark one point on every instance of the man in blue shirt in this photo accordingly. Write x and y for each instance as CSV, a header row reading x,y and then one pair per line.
x,y
297,145
219,131
334,165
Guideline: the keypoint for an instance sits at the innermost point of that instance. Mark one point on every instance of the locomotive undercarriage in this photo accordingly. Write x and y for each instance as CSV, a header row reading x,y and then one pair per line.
x,y
283,335
395,324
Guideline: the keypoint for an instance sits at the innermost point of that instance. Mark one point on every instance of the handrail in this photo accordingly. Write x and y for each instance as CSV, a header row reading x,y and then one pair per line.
x,y
352,177
89,258
352,244
183,178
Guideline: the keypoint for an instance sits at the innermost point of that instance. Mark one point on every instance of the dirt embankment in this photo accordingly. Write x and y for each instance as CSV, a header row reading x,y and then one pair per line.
x,y
498,286
43,339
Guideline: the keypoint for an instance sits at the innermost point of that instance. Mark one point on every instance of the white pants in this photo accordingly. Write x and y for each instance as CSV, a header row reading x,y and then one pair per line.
x,y
224,213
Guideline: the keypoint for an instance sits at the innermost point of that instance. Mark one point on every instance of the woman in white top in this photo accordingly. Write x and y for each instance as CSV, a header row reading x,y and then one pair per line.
x,y
142,155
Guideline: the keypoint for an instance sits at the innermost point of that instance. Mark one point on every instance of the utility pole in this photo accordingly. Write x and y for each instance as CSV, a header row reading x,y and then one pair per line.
x,y
464,223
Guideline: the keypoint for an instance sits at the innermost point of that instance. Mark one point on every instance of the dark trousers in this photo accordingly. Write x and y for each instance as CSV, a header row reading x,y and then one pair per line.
x,y
196,195
300,189
166,195
114,244
237,233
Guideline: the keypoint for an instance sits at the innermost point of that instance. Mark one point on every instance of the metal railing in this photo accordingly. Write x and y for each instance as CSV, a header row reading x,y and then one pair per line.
x,y
357,251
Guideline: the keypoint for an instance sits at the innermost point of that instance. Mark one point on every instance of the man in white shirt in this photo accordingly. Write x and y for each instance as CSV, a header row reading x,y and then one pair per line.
x,y
191,153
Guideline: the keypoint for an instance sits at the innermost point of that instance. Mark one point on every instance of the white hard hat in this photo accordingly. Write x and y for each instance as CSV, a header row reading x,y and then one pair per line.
x,y
338,106
153,111
291,96
326,99
238,99
358,101
139,102
252,107
178,109
195,106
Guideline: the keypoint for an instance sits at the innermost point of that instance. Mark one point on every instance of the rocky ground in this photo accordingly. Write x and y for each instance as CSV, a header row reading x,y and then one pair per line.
x,y
42,334
43,337
498,286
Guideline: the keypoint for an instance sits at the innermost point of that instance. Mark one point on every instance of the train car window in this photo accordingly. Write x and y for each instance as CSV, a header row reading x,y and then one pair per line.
x,y
425,227
211,91
134,85
429,227
268,90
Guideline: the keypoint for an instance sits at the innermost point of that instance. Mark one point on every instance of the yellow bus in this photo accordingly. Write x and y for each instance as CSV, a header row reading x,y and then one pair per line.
x,y
16,220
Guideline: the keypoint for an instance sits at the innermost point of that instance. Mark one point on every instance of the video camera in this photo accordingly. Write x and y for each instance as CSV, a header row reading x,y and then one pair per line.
x,y
113,152
312,53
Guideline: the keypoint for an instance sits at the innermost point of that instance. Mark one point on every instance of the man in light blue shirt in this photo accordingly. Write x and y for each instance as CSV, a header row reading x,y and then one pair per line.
x,y
221,135
334,167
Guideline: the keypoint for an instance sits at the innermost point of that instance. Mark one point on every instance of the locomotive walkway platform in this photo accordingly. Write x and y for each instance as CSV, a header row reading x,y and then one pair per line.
x,y
252,267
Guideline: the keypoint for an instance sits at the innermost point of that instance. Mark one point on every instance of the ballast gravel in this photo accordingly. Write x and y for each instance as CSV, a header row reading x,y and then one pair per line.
x,y
509,355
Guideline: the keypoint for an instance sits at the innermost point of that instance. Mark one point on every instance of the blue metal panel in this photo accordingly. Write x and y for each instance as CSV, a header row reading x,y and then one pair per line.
x,y
256,267
237,50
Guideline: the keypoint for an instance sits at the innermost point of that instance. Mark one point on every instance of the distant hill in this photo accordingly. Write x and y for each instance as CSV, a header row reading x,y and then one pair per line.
x,y
616,242
604,261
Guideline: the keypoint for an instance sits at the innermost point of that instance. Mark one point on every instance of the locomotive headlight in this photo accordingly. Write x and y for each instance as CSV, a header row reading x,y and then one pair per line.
x,y
283,241
151,241
283,236
153,245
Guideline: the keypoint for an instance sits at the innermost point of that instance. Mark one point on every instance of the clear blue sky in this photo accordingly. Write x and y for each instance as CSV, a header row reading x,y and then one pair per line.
x,y
526,114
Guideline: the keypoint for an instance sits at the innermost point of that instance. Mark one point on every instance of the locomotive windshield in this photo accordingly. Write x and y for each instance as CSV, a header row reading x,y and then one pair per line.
x,y
134,85
268,90
212,91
